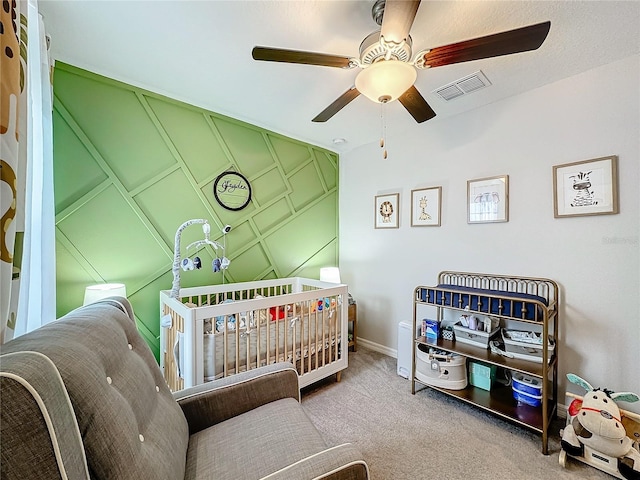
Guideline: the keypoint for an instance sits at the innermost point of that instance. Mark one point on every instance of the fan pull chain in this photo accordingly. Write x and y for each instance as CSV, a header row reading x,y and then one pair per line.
x,y
383,131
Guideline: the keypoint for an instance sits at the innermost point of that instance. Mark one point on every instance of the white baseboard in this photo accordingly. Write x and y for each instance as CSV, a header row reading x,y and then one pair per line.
x,y
378,348
561,410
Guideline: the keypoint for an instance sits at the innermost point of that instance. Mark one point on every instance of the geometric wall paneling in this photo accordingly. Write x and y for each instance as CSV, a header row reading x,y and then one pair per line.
x,y
269,186
121,132
170,202
270,216
146,305
131,166
328,165
246,145
193,138
250,264
315,228
242,236
306,186
112,239
324,257
72,156
71,274
290,153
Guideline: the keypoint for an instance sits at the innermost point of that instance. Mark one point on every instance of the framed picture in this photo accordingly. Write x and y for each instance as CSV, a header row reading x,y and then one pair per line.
x,y
586,188
425,207
386,210
488,200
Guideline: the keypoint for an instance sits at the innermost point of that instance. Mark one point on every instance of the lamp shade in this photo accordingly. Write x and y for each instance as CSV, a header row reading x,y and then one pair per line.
x,y
93,293
330,274
385,80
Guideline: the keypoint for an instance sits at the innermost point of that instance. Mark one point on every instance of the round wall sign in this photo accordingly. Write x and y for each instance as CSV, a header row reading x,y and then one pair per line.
x,y
232,190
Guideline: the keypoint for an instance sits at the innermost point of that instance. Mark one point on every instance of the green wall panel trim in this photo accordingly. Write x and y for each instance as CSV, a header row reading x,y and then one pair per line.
x,y
291,154
247,146
272,215
193,138
250,264
110,236
315,229
159,203
130,166
134,153
71,279
72,156
327,256
240,236
328,166
269,186
306,186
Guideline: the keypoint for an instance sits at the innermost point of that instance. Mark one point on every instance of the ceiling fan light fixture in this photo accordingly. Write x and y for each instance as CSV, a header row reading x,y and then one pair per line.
x,y
386,80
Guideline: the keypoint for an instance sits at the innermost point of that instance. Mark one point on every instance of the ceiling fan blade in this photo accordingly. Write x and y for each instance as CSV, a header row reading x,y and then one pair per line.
x,y
341,102
268,54
504,43
416,105
398,18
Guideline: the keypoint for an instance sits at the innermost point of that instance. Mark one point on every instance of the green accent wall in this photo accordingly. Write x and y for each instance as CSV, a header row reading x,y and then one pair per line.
x,y
131,166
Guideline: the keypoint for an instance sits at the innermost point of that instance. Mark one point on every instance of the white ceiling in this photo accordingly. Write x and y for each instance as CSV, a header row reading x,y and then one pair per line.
x,y
200,52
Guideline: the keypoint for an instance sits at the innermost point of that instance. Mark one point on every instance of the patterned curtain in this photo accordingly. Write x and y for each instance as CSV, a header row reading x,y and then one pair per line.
x,y
26,156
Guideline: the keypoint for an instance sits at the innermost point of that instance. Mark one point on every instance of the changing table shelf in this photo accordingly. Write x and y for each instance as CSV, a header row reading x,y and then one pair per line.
x,y
483,355
526,302
498,401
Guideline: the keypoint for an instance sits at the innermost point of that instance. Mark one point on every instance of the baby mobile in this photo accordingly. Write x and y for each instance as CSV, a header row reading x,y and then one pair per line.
x,y
219,264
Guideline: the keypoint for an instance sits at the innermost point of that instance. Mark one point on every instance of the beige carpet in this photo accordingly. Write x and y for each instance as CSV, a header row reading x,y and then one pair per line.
x,y
427,435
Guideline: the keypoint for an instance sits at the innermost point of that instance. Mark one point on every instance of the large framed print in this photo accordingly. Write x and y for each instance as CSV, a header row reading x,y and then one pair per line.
x,y
426,207
488,200
386,210
588,187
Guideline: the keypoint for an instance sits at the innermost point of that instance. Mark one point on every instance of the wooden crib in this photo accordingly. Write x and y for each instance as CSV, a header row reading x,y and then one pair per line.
x,y
219,330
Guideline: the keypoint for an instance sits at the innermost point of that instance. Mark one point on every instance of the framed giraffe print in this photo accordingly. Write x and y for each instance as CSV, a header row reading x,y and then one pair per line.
x,y
386,211
425,207
589,187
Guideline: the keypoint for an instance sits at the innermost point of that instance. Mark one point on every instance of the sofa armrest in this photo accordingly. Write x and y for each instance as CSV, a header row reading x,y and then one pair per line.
x,y
342,462
214,402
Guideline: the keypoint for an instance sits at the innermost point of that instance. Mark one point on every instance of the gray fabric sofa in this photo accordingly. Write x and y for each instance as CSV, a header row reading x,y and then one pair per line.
x,y
83,398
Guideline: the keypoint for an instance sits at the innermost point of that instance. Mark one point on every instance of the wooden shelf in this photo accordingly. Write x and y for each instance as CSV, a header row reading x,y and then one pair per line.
x,y
353,318
485,355
499,401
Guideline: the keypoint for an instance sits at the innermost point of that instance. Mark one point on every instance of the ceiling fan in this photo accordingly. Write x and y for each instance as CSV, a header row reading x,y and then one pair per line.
x,y
389,70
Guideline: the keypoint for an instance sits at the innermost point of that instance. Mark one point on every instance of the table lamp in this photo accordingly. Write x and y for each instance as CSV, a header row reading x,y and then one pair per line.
x,y
330,274
93,293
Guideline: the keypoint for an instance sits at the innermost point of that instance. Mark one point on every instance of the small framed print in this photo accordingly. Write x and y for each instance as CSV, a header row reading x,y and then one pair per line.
x,y
588,187
386,211
425,207
488,200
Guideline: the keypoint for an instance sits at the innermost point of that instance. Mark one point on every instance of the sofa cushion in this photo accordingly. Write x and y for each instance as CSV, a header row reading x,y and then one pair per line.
x,y
130,425
254,444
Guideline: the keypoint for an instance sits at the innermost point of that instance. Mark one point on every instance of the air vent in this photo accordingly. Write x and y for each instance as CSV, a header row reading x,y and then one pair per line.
x,y
463,86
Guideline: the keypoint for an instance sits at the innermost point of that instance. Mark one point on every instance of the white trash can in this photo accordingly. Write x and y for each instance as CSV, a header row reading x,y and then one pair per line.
x,y
405,344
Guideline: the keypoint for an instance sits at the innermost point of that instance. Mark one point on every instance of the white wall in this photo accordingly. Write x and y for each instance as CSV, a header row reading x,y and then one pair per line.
x,y
594,259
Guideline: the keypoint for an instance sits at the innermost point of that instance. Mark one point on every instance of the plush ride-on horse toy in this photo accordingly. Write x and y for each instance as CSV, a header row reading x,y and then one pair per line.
x,y
596,422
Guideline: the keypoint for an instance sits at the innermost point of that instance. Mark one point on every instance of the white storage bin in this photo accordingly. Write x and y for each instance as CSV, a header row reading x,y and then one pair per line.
x,y
440,369
478,338
526,350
